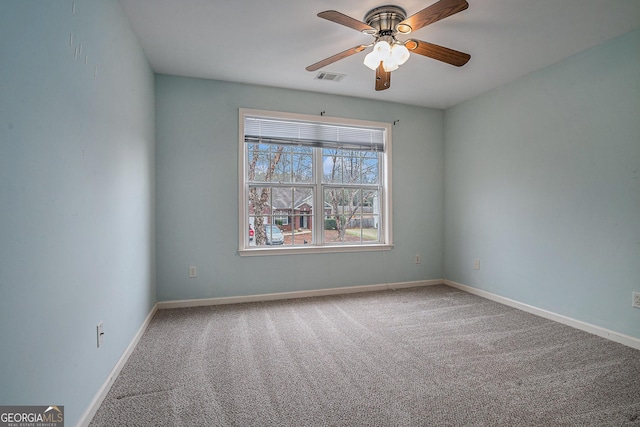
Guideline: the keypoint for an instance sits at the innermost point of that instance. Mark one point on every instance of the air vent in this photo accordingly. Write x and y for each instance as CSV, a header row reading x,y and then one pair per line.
x,y
334,77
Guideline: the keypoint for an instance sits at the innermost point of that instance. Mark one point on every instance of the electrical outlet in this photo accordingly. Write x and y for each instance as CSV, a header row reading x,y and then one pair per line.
x,y
100,334
476,264
636,300
418,259
193,272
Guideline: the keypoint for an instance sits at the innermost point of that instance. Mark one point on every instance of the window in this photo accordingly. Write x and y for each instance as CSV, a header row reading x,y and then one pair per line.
x,y
313,184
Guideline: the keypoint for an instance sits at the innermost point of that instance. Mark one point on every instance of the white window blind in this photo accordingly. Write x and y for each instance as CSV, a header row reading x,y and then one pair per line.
x,y
268,131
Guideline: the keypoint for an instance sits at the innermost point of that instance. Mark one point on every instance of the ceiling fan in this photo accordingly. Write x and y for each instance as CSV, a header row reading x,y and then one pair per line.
x,y
383,24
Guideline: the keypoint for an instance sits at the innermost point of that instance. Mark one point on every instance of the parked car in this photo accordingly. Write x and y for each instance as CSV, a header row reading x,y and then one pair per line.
x,y
251,233
274,235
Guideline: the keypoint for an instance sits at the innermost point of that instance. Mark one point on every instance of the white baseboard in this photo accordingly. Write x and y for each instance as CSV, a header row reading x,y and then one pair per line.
x,y
578,324
86,418
296,294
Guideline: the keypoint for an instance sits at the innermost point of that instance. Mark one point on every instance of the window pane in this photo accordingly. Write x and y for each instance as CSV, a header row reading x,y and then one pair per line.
x,y
302,167
350,167
354,215
338,202
258,161
281,200
370,168
360,230
281,167
299,231
279,163
353,166
280,215
332,166
267,162
259,202
332,232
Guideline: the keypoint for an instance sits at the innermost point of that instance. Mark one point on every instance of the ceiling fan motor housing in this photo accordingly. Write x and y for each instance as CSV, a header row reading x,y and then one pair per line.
x,y
385,19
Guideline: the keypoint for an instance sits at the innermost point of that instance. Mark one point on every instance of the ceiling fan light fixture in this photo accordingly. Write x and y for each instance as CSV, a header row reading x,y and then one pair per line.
x,y
400,53
390,64
372,60
392,55
383,49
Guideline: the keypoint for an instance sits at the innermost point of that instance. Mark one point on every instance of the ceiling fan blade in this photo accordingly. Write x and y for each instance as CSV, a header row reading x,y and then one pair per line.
x,y
434,13
336,57
440,53
347,21
383,78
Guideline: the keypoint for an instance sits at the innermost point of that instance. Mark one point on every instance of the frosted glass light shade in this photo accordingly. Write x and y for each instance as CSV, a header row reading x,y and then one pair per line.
x,y
389,64
372,60
383,49
400,53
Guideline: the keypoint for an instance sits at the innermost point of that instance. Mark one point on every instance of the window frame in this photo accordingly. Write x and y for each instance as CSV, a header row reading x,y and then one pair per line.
x,y
244,248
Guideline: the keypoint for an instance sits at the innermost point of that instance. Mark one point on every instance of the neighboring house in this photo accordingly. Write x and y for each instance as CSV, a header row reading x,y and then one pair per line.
x,y
291,214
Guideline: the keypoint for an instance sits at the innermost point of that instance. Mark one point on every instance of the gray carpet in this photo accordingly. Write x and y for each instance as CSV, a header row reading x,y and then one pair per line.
x,y
430,356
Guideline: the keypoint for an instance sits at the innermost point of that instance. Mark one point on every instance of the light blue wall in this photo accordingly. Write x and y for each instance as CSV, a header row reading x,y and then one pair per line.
x,y
76,198
197,204
542,184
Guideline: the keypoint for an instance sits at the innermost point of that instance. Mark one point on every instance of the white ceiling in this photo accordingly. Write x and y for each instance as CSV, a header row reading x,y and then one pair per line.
x,y
271,42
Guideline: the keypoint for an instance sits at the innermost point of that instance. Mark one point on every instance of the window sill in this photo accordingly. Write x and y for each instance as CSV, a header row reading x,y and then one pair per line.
x,y
298,250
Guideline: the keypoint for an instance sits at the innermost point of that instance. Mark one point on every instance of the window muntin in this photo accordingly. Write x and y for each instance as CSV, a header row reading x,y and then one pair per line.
x,y
324,183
